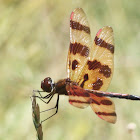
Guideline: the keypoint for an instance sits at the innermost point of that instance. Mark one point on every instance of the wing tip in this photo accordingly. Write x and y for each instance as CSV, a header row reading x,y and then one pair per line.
x,y
99,32
110,120
76,10
113,121
105,28
71,16
108,28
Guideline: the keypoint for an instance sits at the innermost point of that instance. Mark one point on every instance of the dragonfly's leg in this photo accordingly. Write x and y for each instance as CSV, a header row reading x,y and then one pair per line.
x,y
38,92
56,107
50,95
41,98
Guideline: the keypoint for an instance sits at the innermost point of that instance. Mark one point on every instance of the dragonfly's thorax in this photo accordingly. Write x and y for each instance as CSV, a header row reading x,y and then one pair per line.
x,y
60,87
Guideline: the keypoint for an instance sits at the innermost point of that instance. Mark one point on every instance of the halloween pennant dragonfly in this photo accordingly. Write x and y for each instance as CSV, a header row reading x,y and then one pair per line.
x,y
90,70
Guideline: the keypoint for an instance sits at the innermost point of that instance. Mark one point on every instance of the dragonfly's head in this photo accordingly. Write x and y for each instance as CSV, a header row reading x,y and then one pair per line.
x,y
47,84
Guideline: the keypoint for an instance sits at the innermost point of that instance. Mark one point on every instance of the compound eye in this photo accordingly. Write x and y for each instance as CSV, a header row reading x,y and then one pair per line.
x,y
48,80
46,84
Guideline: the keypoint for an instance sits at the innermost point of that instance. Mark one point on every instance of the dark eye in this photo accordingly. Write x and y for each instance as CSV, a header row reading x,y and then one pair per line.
x,y
46,84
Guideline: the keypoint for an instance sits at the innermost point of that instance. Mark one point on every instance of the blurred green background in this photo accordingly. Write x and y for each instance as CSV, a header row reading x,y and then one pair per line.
x,y
34,41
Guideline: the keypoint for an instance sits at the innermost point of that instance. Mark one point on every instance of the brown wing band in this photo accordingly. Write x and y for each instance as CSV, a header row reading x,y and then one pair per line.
x,y
77,26
102,43
104,69
106,102
79,48
85,79
78,101
74,64
106,114
98,84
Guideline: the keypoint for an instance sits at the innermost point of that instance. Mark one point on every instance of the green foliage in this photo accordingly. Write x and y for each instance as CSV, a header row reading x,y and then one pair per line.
x,y
33,35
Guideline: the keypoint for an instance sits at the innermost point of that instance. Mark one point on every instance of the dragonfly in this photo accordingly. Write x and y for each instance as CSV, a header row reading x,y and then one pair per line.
x,y
89,71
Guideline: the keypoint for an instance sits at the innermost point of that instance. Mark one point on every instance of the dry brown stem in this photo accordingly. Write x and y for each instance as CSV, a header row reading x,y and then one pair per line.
x,y
36,119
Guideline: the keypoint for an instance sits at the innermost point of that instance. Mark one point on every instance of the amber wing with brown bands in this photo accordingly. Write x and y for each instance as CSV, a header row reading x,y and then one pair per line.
x,y
80,43
90,68
98,70
102,106
77,97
